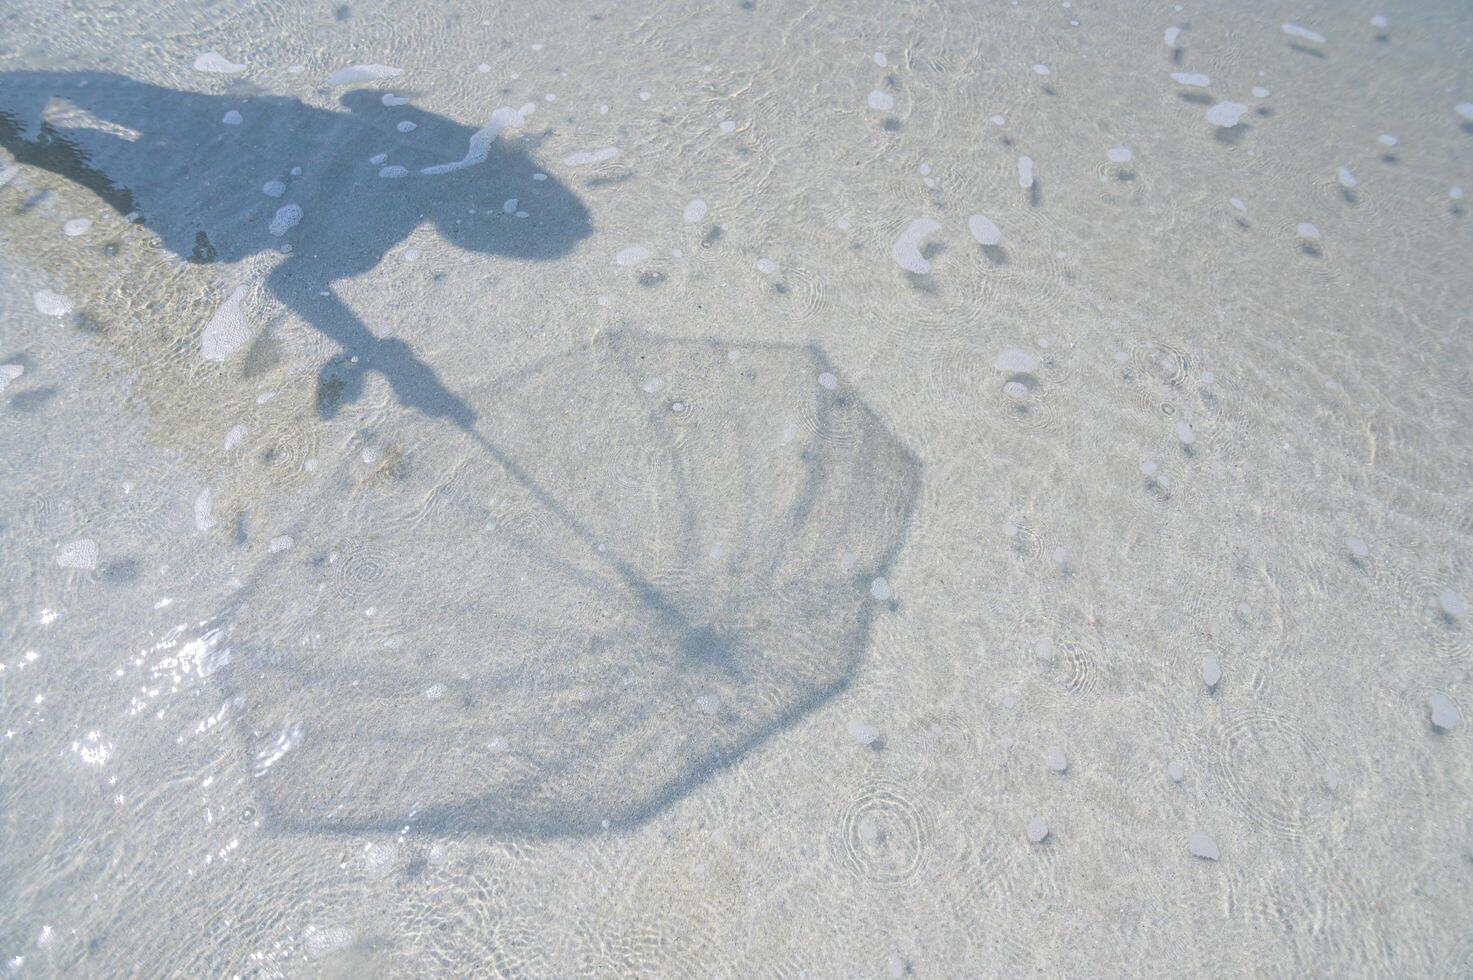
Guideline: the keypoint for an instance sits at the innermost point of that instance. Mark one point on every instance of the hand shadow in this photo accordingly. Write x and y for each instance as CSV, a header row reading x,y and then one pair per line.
x,y
364,178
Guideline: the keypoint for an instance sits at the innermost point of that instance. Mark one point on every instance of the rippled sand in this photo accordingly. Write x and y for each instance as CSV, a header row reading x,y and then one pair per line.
x,y
736,489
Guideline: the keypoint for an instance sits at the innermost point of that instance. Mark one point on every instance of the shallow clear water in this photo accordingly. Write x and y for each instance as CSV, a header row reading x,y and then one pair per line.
x,y
736,489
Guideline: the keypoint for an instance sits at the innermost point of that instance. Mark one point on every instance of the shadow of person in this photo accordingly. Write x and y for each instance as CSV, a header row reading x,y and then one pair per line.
x,y
220,178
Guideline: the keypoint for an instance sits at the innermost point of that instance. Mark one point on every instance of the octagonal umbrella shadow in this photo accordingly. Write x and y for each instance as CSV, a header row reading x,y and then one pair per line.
x,y
652,556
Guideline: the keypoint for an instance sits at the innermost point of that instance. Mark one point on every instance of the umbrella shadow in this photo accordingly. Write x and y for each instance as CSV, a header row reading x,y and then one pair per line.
x,y
332,190
669,552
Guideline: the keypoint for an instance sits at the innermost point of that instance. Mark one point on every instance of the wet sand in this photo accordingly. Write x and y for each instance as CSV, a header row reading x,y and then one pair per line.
x,y
736,490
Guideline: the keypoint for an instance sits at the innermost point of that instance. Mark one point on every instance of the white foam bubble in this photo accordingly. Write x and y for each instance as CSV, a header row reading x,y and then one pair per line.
x,y
204,508
632,255
999,120
9,372
984,230
1379,21
217,64
1386,139
695,211
393,172
321,942
481,140
1464,109
509,206
1237,202
1119,154
50,303
766,266
1170,36
287,217
1346,178
227,329
880,588
76,226
1041,70
405,126
1025,172
273,188
907,248
881,101
1191,79
1226,114
727,126
1015,361
233,437
1303,33
81,553
584,157
282,542
391,100
354,74
1307,230
1259,92
232,117
828,380
881,60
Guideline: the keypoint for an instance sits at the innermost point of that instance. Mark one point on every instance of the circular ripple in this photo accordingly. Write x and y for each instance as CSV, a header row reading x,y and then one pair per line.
x,y
1272,773
883,835
288,449
1025,400
363,572
1315,252
834,417
1083,662
1024,539
802,294
1163,363
1328,193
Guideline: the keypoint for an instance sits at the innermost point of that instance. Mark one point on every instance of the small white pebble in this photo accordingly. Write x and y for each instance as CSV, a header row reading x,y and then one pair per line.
x,y
1226,115
1443,713
880,101
1203,846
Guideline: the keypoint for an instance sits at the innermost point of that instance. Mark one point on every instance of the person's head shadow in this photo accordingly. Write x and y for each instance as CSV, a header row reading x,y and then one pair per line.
x,y
220,178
